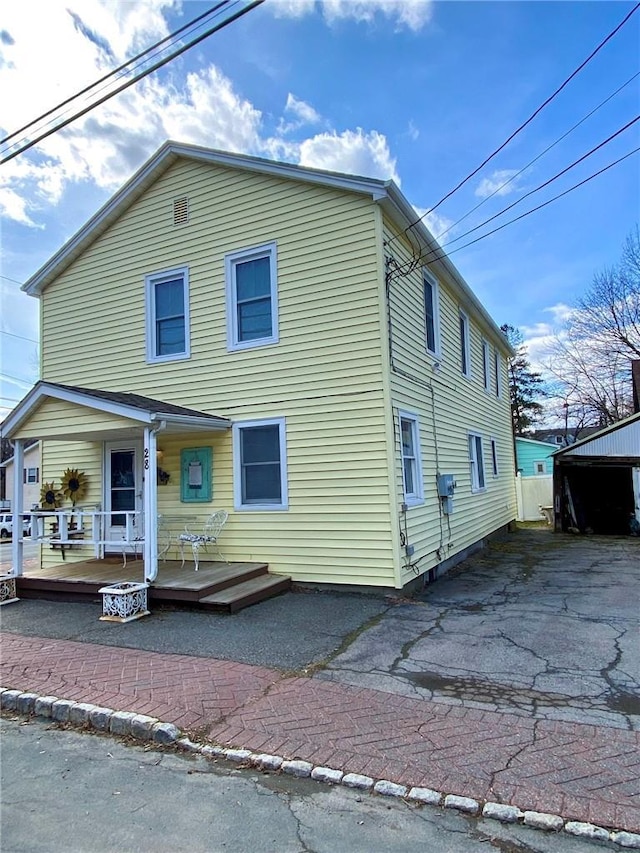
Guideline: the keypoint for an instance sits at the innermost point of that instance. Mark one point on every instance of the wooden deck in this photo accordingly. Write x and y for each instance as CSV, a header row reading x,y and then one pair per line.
x,y
215,586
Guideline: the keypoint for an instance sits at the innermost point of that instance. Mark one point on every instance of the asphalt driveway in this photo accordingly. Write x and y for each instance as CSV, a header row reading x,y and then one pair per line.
x,y
541,624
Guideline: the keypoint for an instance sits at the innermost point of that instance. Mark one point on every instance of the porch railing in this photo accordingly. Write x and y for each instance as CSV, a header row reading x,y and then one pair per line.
x,y
87,526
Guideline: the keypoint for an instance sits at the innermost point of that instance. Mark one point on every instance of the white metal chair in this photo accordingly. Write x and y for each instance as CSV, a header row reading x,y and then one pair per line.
x,y
209,536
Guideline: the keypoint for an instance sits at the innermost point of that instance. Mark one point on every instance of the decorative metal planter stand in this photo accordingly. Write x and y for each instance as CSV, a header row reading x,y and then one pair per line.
x,y
8,592
124,602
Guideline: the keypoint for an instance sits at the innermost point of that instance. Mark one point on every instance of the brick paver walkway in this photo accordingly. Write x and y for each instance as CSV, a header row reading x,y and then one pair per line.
x,y
582,772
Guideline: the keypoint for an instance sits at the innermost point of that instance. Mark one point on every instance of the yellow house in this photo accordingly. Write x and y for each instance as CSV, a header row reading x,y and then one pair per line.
x,y
283,343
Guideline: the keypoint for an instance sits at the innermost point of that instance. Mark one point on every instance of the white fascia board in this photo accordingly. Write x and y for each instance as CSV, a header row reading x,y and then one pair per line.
x,y
44,390
536,441
166,155
403,213
625,422
193,421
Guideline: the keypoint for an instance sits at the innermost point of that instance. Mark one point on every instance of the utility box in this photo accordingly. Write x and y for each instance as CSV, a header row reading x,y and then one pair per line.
x,y
446,487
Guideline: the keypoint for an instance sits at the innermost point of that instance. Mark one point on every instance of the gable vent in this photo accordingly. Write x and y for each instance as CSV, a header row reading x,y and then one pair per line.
x,y
180,210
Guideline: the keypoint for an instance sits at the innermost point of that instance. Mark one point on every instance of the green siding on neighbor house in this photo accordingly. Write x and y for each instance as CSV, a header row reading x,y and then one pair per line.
x,y
532,454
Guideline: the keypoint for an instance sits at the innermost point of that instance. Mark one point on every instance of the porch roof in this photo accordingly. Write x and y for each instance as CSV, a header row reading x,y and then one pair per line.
x,y
135,408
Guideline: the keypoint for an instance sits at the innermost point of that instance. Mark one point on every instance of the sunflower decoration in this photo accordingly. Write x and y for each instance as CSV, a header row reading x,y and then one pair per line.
x,y
50,496
74,485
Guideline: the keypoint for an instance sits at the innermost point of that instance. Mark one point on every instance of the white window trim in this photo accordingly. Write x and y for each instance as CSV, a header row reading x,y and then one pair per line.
x,y
495,468
28,479
435,353
231,259
476,487
542,463
465,347
236,430
417,497
486,365
150,281
497,362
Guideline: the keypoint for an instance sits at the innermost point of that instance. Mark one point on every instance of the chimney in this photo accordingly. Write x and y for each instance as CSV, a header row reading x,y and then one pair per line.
x,y
635,382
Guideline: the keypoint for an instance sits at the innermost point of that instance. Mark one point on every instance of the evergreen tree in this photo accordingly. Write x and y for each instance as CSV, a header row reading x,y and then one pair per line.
x,y
525,385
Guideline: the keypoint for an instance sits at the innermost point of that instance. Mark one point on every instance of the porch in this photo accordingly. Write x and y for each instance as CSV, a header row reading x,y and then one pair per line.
x,y
225,587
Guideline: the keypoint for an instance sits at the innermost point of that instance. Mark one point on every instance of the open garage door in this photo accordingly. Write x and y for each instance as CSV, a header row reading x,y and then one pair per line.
x,y
596,498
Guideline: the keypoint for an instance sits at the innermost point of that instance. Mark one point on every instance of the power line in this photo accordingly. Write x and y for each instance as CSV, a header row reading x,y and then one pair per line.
x,y
20,337
252,5
538,157
14,280
525,123
410,264
117,70
28,382
528,212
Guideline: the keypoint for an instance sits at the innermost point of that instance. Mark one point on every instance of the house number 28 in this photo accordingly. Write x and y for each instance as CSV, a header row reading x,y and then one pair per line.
x,y
146,459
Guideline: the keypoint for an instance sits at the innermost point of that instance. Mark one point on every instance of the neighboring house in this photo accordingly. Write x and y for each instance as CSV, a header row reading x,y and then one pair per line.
x,y
533,457
597,480
534,484
562,437
267,336
30,478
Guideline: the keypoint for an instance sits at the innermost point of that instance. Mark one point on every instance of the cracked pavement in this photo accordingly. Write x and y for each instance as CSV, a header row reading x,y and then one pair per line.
x,y
540,625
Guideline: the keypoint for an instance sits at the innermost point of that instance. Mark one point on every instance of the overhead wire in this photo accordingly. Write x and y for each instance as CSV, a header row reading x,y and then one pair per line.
x,y
411,263
249,7
537,157
115,71
524,124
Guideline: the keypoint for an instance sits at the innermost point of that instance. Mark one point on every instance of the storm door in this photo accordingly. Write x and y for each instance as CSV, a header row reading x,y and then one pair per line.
x,y
123,489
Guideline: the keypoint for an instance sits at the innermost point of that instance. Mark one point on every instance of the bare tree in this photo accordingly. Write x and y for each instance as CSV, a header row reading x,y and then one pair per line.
x,y
590,358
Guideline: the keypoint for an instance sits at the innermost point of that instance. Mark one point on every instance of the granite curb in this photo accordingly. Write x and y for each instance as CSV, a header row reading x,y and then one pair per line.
x,y
151,730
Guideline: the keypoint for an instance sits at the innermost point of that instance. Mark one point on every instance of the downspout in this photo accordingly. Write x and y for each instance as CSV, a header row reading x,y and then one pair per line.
x,y
150,501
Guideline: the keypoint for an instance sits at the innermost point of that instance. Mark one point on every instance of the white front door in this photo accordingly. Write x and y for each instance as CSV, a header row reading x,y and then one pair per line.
x,y
123,488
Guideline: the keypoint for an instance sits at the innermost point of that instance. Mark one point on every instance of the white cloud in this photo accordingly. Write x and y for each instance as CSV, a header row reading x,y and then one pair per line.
x,y
356,152
501,182
302,111
435,223
410,14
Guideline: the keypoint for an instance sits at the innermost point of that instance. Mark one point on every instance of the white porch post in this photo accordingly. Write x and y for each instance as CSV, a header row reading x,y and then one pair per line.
x,y
150,504
16,507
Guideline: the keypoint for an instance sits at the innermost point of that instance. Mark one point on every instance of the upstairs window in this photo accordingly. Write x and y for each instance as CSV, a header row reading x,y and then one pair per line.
x,y
476,462
252,297
486,366
431,313
465,347
497,364
167,315
411,469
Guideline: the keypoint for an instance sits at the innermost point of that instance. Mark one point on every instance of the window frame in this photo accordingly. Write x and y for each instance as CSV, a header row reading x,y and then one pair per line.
x,y
237,429
497,366
233,260
151,281
486,365
476,462
540,463
495,470
465,344
26,479
417,496
427,277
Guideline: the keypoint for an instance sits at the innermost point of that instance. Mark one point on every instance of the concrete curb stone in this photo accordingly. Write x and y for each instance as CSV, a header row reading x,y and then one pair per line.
x,y
147,728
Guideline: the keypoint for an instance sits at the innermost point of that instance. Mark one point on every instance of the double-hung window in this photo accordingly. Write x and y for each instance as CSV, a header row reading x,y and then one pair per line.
x,y
167,295
260,465
476,462
465,346
497,363
31,475
252,297
411,468
431,313
486,365
494,457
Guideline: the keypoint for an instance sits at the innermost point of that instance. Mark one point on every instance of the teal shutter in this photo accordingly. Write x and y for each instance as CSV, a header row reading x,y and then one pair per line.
x,y
196,475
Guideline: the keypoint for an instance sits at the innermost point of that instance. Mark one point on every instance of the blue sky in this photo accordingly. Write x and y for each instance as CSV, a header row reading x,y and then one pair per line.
x,y
418,91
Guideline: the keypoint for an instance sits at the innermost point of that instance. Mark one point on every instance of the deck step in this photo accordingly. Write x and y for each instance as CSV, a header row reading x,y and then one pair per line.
x,y
200,584
248,592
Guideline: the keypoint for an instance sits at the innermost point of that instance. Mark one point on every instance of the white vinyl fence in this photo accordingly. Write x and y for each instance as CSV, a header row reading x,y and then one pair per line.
x,y
532,493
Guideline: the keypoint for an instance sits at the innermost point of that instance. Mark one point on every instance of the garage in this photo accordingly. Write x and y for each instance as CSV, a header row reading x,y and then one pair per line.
x,y
597,481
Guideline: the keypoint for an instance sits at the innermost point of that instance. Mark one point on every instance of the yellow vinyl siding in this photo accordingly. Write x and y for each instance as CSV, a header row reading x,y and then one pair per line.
x,y
448,406
55,418
325,375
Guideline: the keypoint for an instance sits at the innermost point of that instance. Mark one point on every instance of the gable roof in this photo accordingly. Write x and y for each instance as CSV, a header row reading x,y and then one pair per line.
x,y
385,193
617,448
145,410
536,441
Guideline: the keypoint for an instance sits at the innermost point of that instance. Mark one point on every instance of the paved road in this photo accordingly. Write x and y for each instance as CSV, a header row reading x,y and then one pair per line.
x,y
540,625
71,792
